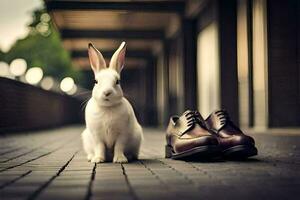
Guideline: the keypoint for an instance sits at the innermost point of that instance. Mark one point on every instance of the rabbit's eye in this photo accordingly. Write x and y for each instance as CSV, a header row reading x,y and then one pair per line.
x,y
95,81
117,82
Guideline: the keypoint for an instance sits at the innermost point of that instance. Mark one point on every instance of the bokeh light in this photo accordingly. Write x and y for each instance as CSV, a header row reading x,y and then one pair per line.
x,y
67,84
4,69
73,90
47,83
18,67
45,17
42,28
34,75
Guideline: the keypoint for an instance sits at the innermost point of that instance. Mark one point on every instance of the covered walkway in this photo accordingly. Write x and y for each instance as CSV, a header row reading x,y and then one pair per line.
x,y
52,165
240,55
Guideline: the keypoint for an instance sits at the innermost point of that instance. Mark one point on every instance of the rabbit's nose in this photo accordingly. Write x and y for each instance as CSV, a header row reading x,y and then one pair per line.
x,y
107,93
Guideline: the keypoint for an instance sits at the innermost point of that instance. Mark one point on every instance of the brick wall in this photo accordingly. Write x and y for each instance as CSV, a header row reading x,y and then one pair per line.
x,y
25,107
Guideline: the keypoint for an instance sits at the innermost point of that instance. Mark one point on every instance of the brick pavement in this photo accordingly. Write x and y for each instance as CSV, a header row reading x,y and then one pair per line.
x,y
51,165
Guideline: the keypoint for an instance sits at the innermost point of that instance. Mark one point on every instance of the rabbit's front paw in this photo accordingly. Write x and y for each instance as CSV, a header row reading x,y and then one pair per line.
x,y
89,157
120,159
97,159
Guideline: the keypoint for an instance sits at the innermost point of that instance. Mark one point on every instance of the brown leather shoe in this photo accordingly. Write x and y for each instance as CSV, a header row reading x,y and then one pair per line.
x,y
187,138
234,143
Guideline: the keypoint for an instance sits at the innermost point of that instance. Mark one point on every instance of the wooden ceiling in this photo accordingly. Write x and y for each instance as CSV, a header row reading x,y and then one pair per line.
x,y
82,63
110,44
116,20
143,24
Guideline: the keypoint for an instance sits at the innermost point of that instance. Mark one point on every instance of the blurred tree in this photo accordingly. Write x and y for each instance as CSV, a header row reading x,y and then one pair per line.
x,y
43,48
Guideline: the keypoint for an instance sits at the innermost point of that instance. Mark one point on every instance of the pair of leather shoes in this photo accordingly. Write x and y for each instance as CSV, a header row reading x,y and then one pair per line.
x,y
189,136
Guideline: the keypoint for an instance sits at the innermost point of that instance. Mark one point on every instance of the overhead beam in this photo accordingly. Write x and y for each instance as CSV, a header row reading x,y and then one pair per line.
x,y
108,54
112,34
148,6
130,67
83,62
193,8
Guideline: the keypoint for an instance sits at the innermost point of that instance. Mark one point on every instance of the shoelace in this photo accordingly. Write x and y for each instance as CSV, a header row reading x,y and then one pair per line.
x,y
223,117
193,117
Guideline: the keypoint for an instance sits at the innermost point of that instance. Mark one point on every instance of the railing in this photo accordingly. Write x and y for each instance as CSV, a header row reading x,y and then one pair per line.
x,y
26,107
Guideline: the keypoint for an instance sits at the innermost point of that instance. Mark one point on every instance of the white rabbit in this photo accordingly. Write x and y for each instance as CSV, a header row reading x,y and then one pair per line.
x,y
112,130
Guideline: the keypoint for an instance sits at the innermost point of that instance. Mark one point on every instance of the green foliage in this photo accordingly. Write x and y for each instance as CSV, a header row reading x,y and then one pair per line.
x,y
43,48
2,55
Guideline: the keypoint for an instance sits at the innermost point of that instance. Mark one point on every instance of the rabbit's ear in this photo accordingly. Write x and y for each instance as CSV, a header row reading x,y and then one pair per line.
x,y
96,59
117,61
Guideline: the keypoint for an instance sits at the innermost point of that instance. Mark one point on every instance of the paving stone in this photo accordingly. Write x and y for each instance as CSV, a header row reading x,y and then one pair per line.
x,y
59,170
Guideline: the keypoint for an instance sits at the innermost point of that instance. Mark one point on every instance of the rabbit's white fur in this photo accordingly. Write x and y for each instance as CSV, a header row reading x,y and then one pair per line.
x,y
112,130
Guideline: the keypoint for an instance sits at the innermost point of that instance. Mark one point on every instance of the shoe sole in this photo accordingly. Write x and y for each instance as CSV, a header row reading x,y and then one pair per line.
x,y
240,152
197,153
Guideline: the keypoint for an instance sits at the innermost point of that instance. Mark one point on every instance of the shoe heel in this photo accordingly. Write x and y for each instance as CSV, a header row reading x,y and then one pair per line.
x,y
168,151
